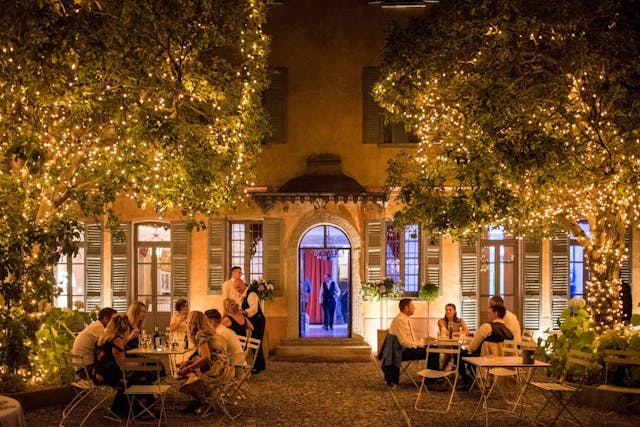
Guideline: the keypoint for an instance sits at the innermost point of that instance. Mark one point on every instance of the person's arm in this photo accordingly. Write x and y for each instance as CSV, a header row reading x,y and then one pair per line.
x,y
176,321
249,324
442,328
478,338
225,290
463,327
117,349
226,322
253,300
203,359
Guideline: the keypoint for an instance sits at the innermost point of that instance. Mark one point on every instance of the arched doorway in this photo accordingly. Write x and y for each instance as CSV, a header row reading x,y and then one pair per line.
x,y
324,257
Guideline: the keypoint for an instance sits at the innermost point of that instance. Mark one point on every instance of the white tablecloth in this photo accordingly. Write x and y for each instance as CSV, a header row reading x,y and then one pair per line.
x,y
11,414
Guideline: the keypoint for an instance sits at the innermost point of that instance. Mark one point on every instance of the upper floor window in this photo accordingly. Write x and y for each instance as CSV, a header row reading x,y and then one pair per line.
x,y
374,128
274,100
403,255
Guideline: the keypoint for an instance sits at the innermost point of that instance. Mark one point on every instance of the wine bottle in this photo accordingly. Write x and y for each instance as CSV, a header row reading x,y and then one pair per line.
x,y
450,330
156,338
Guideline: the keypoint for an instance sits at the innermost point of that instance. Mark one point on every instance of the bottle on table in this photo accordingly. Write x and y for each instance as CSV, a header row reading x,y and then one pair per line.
x,y
156,339
450,330
186,342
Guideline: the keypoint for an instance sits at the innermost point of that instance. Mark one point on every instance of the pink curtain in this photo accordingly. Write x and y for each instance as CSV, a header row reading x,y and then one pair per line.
x,y
314,270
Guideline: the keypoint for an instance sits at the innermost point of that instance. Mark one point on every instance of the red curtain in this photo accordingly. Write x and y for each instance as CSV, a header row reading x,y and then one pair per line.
x,y
314,270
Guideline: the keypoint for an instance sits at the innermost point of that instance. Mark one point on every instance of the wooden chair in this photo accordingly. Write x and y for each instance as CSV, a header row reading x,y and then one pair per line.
x,y
137,393
560,393
439,347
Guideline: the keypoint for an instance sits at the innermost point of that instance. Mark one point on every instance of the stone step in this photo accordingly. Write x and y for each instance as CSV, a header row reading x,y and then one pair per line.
x,y
323,350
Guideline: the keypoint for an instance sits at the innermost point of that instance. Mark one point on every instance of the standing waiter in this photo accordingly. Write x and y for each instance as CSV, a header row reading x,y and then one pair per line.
x,y
250,304
328,294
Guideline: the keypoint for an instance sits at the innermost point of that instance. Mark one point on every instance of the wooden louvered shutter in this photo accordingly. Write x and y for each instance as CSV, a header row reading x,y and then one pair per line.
x,y
375,251
372,120
217,241
532,283
625,268
559,275
272,232
93,266
180,238
469,283
120,268
275,102
433,260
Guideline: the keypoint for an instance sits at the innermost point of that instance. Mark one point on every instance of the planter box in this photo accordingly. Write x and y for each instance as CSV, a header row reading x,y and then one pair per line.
x,y
608,400
30,400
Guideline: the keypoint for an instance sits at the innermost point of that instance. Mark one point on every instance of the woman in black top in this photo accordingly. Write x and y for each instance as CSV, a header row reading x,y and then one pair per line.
x,y
234,319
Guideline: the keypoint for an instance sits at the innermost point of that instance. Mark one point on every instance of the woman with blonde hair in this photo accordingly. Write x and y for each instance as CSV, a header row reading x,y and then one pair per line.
x,y
234,319
136,315
108,355
211,366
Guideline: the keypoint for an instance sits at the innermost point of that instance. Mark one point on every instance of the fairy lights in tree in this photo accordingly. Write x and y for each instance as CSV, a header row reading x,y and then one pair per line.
x,y
527,120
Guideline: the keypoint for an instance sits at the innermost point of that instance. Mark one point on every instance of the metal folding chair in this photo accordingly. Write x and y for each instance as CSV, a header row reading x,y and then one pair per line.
x,y
561,393
136,393
447,347
498,375
86,389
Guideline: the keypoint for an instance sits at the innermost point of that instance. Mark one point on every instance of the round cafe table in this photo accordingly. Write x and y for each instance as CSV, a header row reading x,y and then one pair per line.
x,y
11,414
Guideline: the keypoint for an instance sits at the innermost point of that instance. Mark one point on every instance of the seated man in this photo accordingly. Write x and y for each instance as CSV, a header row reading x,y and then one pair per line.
x,y
492,331
85,342
401,327
510,319
229,340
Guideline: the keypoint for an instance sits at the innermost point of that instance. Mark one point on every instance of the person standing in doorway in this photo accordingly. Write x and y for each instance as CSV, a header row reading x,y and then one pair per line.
x,y
228,288
344,304
328,295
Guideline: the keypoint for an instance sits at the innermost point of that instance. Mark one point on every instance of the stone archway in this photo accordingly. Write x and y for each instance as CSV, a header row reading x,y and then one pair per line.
x,y
292,273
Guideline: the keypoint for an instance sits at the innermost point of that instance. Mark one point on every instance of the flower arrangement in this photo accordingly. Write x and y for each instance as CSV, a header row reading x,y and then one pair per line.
x,y
428,292
387,288
264,289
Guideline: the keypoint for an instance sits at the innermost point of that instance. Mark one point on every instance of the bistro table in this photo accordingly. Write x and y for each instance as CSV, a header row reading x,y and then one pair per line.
x,y
166,355
11,414
513,362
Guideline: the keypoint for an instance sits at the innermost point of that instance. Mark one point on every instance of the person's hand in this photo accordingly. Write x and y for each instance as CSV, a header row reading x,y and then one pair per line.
x,y
134,334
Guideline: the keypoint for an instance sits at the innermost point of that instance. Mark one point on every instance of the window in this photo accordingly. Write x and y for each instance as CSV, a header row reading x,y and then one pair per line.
x,y
374,128
247,249
70,277
578,273
403,256
274,100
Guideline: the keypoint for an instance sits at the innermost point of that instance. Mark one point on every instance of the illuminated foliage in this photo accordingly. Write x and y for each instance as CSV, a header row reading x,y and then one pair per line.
x,y
528,115
100,99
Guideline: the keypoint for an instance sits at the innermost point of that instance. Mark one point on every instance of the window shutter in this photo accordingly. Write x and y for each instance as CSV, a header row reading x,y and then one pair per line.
x,y
180,238
532,282
625,268
272,245
93,266
375,251
372,120
433,260
217,240
120,268
559,274
469,283
275,103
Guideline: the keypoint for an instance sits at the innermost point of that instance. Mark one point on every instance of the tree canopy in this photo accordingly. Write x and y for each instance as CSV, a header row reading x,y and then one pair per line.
x,y
528,115
99,99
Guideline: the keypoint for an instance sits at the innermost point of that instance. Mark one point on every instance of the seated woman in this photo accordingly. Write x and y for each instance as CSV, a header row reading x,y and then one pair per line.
x,y
234,319
450,322
451,319
211,367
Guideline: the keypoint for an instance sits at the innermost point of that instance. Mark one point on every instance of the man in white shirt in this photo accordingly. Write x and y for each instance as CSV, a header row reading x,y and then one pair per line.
x,y
85,342
228,290
229,340
401,327
510,319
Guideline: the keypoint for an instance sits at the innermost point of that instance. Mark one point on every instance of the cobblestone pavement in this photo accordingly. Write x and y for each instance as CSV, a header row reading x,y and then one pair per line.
x,y
345,394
